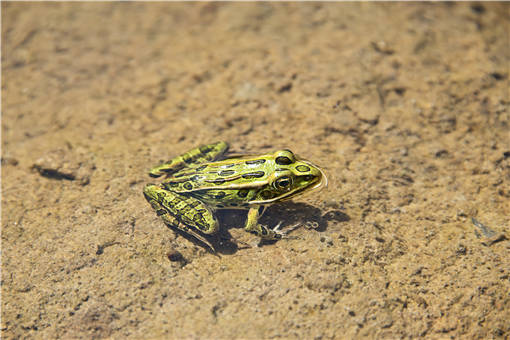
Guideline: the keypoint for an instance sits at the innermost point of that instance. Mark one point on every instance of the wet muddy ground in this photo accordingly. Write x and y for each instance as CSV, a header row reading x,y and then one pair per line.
x,y
405,106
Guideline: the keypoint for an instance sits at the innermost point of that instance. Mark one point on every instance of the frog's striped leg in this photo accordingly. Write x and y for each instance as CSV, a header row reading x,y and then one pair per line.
x,y
184,213
252,225
202,154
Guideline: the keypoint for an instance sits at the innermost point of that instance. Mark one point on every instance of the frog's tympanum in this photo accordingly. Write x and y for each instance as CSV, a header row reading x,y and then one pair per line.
x,y
202,180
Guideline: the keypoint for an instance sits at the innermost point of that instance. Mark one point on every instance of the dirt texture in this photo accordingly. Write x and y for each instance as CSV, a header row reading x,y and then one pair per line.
x,y
404,105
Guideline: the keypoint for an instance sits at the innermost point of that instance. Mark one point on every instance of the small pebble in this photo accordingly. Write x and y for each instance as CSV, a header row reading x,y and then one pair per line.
x,y
174,256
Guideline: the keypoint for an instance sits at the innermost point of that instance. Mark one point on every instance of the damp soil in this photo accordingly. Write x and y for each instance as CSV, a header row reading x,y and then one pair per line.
x,y
404,105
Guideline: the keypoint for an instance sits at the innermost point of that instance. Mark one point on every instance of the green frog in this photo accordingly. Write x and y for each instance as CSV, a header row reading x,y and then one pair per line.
x,y
202,180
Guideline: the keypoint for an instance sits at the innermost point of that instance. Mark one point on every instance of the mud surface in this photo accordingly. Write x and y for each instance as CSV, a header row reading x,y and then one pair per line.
x,y
405,106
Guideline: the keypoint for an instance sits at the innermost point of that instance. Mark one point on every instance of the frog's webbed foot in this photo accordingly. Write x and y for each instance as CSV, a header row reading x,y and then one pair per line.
x,y
285,233
264,232
275,233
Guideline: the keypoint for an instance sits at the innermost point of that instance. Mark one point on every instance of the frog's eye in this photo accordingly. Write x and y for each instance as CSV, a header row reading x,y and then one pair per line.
x,y
283,182
284,157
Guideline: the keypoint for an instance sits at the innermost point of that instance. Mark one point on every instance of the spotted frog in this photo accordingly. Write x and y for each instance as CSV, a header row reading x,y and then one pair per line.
x,y
202,180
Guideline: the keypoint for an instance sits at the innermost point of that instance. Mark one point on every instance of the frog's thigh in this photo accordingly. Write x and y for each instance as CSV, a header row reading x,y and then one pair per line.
x,y
180,211
252,225
202,154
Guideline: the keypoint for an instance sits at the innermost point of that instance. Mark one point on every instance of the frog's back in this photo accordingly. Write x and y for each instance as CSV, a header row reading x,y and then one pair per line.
x,y
230,183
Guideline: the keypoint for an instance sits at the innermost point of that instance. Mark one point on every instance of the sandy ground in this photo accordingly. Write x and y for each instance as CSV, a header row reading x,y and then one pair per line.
x,y
405,106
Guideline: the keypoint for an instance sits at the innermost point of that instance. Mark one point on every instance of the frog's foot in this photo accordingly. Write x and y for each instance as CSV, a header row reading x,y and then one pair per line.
x,y
285,233
266,233
274,234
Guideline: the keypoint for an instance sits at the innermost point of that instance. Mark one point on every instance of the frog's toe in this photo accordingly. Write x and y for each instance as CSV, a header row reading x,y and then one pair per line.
x,y
277,227
284,233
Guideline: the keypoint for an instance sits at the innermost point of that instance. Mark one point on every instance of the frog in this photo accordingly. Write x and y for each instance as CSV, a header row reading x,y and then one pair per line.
x,y
205,179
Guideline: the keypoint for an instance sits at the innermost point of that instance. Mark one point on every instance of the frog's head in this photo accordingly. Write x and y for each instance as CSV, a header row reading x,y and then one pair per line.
x,y
291,177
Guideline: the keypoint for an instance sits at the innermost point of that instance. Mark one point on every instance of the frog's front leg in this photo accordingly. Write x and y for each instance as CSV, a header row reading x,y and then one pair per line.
x,y
184,213
202,154
252,225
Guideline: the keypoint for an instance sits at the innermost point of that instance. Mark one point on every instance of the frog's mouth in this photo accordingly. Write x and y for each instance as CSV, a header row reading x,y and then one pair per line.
x,y
323,182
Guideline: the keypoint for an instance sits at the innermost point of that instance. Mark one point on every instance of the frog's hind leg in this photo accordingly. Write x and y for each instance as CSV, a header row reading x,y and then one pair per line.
x,y
173,222
187,214
202,154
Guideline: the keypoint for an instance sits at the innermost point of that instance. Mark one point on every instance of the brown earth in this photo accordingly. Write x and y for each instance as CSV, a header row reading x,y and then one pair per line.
x,y
405,106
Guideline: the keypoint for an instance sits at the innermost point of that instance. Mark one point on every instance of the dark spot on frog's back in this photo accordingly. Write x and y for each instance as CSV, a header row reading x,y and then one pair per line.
x,y
187,186
187,159
255,174
302,168
255,161
202,167
226,172
205,148
180,175
217,181
195,178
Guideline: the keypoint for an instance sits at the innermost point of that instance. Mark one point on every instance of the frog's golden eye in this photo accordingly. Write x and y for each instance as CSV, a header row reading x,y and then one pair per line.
x,y
283,182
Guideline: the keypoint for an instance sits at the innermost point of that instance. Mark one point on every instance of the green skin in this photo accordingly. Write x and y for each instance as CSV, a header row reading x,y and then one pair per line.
x,y
198,182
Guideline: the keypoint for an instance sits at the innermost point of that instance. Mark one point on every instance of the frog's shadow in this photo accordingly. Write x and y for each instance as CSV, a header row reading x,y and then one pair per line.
x,y
289,213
